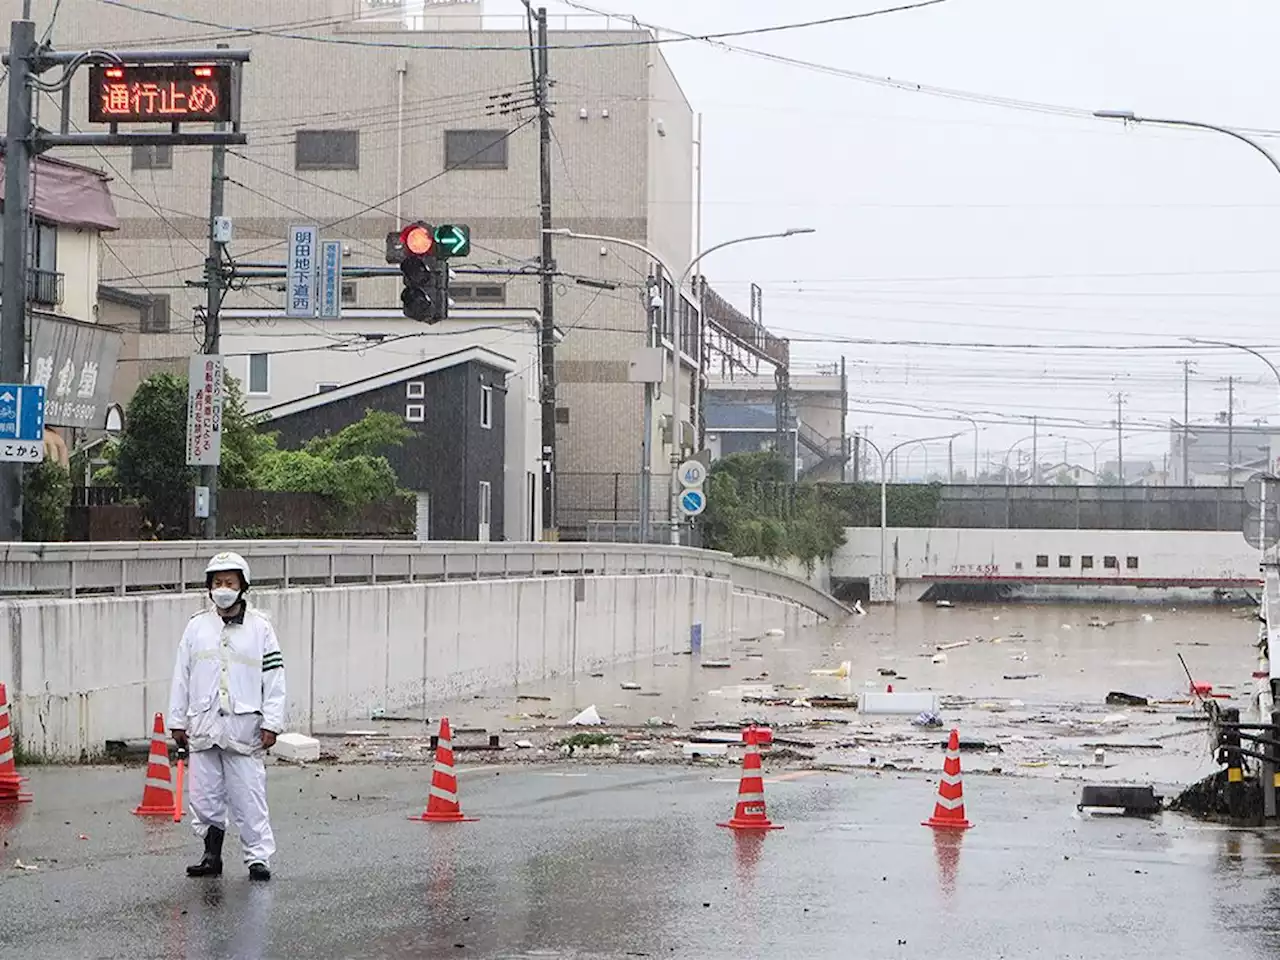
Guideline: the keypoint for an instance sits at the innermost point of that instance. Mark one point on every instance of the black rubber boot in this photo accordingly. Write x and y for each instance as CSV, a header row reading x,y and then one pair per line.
x,y
259,871
211,864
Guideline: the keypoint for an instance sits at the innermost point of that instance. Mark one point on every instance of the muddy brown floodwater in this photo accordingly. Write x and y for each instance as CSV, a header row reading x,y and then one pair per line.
x,y
1025,683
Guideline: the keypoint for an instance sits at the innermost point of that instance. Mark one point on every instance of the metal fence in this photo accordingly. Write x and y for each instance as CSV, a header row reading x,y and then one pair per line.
x,y
74,569
1092,508
609,503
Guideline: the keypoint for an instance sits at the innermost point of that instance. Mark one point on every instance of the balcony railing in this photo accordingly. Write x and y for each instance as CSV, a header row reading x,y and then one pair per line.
x,y
45,287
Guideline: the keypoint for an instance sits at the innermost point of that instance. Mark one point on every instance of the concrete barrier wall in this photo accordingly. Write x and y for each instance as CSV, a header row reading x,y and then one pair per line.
x,y
84,671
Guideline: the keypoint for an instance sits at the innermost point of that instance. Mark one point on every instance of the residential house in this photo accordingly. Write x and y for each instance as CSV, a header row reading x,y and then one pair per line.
x,y
454,463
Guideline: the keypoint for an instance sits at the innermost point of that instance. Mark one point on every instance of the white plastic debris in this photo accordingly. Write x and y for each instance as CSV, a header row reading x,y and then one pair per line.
x,y
775,632
645,754
19,865
589,717
706,749
956,645
1147,617
524,744
857,608
297,747
1100,756
910,703
939,658
842,672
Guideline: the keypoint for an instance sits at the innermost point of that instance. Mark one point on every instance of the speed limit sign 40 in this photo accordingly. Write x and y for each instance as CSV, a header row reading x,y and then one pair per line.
x,y
692,473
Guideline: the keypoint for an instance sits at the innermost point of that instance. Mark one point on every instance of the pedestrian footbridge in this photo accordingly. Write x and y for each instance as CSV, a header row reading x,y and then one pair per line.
x,y
88,631
905,562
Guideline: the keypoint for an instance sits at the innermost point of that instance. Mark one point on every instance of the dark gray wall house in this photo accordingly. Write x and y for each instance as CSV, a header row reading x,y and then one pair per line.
x,y
455,465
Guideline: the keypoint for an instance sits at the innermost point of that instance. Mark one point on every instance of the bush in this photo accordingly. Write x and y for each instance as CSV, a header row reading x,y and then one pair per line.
x,y
46,495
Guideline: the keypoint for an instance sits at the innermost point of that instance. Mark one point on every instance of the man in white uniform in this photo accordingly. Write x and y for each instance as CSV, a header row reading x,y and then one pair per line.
x,y
226,707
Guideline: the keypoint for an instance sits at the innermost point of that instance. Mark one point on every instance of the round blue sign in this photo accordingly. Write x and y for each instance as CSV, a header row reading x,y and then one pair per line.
x,y
692,502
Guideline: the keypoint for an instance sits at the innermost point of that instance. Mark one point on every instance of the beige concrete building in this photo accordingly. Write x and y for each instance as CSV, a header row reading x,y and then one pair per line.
x,y
362,116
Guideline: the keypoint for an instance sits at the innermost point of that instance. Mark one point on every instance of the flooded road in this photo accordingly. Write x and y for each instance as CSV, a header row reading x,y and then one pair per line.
x,y
1029,681
620,861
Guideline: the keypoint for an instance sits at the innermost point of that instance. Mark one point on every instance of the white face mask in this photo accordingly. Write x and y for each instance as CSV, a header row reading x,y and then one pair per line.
x,y
224,597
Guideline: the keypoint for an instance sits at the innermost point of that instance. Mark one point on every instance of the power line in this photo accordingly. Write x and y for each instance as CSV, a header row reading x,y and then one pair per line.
x,y
486,48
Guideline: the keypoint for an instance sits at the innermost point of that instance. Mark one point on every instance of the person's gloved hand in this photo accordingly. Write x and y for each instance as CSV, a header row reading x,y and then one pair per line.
x,y
268,739
179,737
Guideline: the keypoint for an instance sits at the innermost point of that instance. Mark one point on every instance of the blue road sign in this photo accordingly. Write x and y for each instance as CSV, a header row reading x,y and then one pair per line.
x,y
692,502
21,423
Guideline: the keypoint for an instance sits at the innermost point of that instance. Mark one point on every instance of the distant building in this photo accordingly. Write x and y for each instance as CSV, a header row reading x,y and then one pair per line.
x,y
1218,455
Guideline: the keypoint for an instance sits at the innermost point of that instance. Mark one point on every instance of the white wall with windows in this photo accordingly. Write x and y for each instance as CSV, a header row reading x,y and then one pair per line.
x,y
278,359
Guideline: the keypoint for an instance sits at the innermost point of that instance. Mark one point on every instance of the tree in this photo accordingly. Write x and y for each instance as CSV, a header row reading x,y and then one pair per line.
x,y
1064,479
46,495
150,460
1108,478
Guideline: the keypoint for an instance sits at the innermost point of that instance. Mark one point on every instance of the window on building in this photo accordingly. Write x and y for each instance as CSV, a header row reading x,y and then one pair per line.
x,y
486,502
415,389
1042,561
1110,563
259,373
1086,562
155,314
495,293
475,149
562,414
486,406
153,156
327,150
1131,563
1064,562
46,247
348,293
415,412
326,387
1017,565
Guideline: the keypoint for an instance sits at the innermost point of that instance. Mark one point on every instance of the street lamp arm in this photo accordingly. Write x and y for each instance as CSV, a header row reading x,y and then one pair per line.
x,y
1238,346
620,241
1194,124
793,231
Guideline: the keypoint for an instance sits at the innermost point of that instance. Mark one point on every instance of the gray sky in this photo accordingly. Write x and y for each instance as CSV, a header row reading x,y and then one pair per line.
x,y
949,221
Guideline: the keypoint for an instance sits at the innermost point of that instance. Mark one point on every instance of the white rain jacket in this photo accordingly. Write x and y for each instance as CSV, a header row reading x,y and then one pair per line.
x,y
228,682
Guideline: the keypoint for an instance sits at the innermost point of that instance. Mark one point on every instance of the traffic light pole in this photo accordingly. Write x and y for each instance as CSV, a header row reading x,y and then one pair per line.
x,y
548,338
19,152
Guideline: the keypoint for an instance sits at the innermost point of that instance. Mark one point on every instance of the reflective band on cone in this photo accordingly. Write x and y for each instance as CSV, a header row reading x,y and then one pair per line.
x,y
157,792
749,813
948,811
10,782
442,798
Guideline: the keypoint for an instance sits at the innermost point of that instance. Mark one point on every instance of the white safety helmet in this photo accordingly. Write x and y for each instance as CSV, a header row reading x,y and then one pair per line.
x,y
225,561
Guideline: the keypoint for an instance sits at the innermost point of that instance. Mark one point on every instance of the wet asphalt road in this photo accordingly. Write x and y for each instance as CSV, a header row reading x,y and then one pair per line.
x,y
623,861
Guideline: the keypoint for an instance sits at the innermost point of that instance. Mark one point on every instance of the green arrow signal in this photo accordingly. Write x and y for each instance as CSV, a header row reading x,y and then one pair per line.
x,y
454,240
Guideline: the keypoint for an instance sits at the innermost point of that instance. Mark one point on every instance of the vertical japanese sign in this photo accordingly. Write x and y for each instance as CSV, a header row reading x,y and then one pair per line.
x,y
330,280
302,259
204,410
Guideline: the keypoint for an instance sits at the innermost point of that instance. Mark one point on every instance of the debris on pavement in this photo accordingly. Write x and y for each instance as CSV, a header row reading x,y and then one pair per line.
x,y
629,685
953,646
842,672
716,664
1021,676
1117,698
589,717
19,865
939,658
888,672
524,744
943,604
927,719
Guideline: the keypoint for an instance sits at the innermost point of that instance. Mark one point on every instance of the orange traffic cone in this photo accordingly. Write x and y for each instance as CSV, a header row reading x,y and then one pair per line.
x,y
442,798
10,782
157,793
749,814
948,812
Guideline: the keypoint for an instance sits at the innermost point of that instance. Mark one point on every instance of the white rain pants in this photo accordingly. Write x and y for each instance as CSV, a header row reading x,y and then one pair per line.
x,y
222,782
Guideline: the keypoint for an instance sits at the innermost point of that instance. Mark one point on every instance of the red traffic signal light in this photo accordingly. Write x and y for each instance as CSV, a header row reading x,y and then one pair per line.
x,y
418,240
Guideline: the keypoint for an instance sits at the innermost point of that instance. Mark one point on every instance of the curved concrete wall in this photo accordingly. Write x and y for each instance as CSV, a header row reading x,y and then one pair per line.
x,y
84,671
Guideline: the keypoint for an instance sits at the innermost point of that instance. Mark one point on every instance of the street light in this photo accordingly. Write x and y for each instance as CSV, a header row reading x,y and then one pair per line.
x,y
673,489
1128,116
884,482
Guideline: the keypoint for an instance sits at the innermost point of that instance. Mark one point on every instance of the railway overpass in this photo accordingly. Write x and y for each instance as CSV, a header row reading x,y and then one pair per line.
x,y
1047,562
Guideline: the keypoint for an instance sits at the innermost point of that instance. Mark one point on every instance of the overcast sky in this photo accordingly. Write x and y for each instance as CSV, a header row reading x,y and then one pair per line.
x,y
947,221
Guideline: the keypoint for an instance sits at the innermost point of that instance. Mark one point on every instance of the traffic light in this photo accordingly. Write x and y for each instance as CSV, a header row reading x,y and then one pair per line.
x,y
420,296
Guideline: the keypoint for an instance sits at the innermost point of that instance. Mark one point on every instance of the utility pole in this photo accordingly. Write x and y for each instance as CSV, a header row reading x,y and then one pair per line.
x,y
652,308
213,307
1186,419
17,200
1231,433
548,341
844,421
1120,434
1035,451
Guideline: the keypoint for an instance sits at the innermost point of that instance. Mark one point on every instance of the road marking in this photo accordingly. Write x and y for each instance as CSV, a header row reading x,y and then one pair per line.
x,y
780,778
480,769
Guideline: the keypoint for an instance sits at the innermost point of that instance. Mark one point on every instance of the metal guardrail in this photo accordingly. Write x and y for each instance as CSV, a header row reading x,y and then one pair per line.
x,y
121,568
